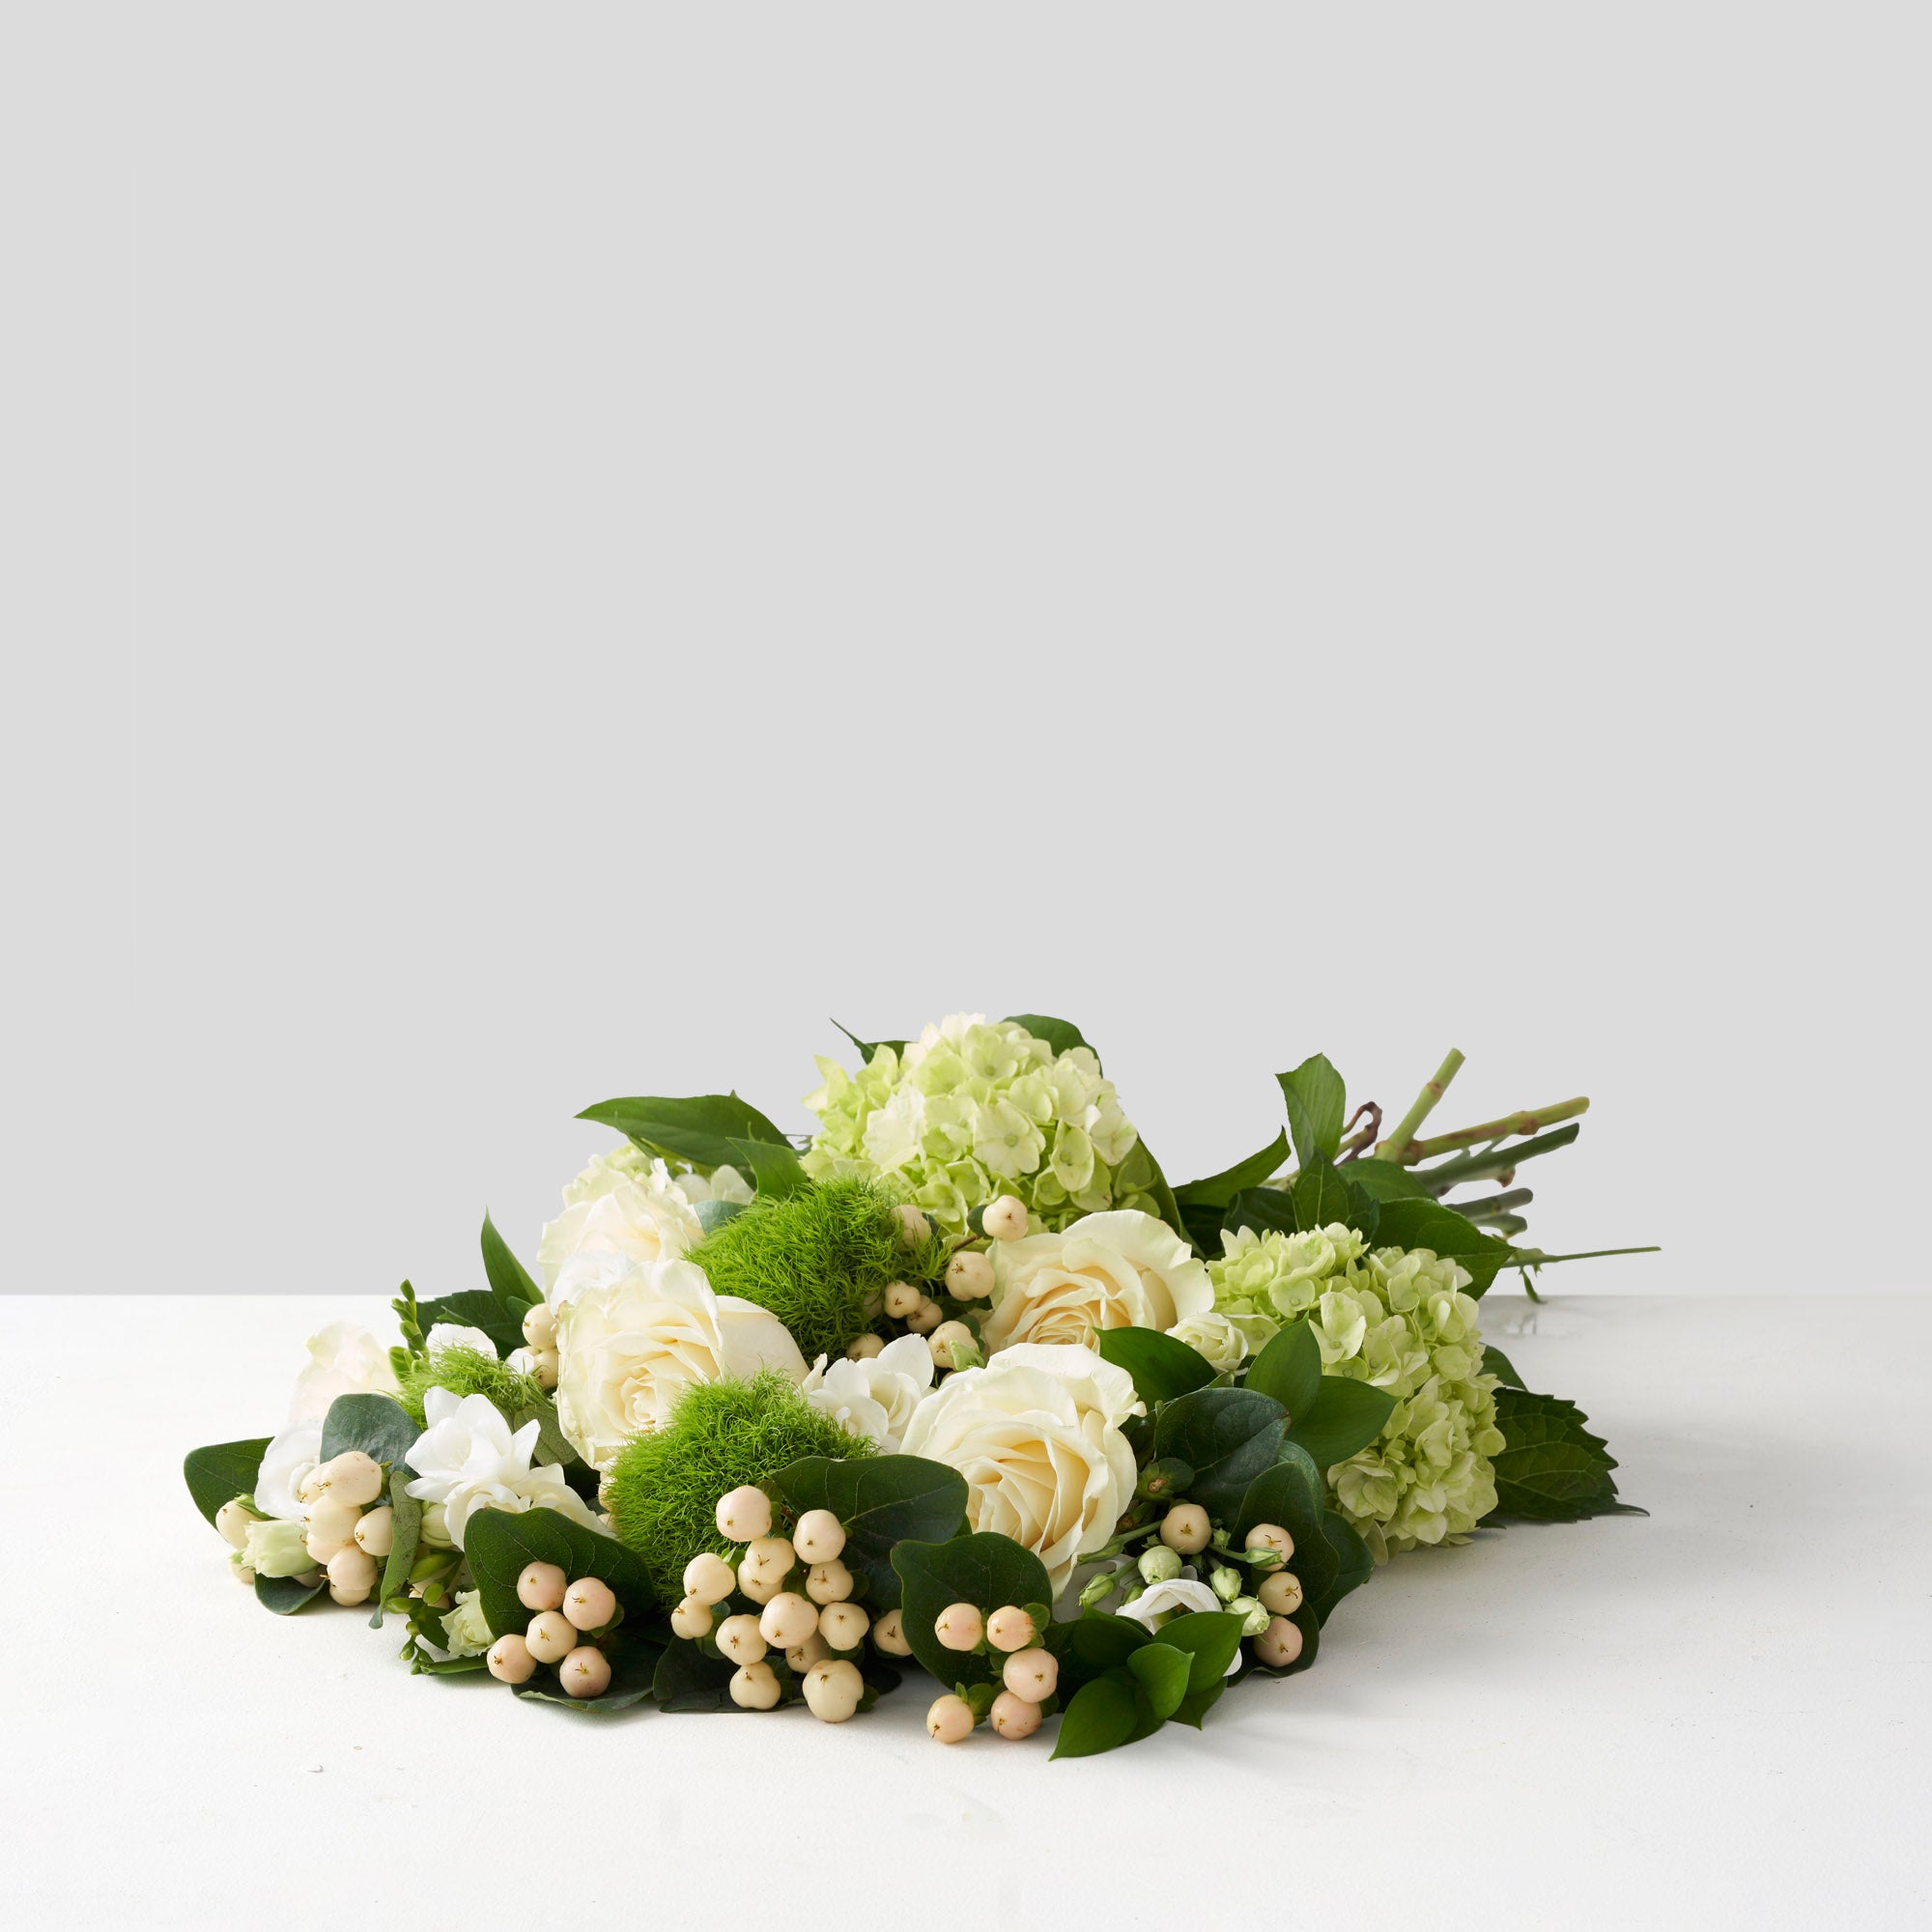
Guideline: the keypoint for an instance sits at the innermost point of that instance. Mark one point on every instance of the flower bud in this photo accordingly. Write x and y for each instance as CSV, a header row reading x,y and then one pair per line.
x,y
926,1318
709,1579
1280,1595
510,1660
1097,1589
1279,1644
275,1547
1014,1717
745,1514
801,1656
1270,1536
691,1619
969,1276
353,1568
788,1619
1186,1527
540,1326
863,1348
833,1689
740,1639
913,1227
900,1299
1032,1674
843,1625
376,1533
589,1604
954,1346
889,1634
541,1587
433,1533
949,1719
1226,1584
352,1478
828,1582
819,1537
232,1519
551,1638
1255,1619
585,1672
1158,1564
960,1627
1165,1476
1006,1219
1009,1628
755,1687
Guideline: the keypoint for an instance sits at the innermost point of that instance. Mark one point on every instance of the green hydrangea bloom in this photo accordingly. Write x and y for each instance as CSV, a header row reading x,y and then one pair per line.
x,y
1397,1318
971,1111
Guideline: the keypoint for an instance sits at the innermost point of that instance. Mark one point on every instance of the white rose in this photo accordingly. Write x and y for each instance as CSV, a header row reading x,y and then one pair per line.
x,y
344,1360
875,1398
467,1459
622,1204
1037,1435
630,1338
1123,1269
1217,1337
456,1335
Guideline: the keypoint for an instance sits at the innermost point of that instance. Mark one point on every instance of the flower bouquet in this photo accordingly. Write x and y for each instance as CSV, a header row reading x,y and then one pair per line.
x,y
964,1383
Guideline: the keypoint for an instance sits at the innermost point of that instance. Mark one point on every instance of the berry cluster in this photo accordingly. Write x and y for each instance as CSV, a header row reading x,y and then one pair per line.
x,y
570,1618
1029,1678
346,1538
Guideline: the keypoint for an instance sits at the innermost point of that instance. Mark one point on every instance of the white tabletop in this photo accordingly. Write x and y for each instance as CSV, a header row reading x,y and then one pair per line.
x,y
1714,1716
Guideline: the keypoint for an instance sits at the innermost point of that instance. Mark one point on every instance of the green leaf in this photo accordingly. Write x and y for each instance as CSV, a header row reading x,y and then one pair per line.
x,y
1197,1703
1497,1363
1428,1224
1218,1189
377,1425
1321,1197
708,1129
1354,1563
775,1170
984,1569
1229,1435
1162,1367
868,1047
1060,1034
881,1501
509,1279
405,1533
1101,1718
1264,1209
1293,1495
1344,1417
634,1669
477,1308
715,1213
284,1595
1386,1179
1209,1638
222,1471
499,1544
1288,1368
1095,1641
554,1448
1316,1103
1163,1672
1552,1469
689,1679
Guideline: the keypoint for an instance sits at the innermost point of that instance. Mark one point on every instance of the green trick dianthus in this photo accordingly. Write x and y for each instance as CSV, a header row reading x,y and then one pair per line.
x,y
662,1493
815,1259
465,1371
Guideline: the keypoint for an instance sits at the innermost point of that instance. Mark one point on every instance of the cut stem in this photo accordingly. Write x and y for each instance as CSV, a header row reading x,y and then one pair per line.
x,y
1492,1205
1532,1120
1393,1149
1534,1257
1499,1160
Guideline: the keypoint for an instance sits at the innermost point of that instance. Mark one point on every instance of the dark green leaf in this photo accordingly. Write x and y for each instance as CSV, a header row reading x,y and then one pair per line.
x,y
405,1533
775,1170
1062,1036
501,1543
554,1448
1162,1367
1229,1435
1211,1638
984,1569
1317,1104
688,1679
1218,1189
1353,1564
284,1595
1386,1179
1264,1209
634,1669
1163,1672
1321,1197
477,1308
868,1047
509,1279
377,1425
1101,1718
1095,1641
1344,1417
1291,1494
707,1129
1497,1363
881,1501
1288,1368
1552,1469
1197,1703
222,1471
1428,1224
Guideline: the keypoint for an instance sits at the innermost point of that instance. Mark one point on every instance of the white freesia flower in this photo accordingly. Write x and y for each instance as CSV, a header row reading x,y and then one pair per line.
x,y
1037,1435
1216,1337
287,1459
467,1459
457,1335
624,1203
875,1398
1122,1269
631,1337
1159,1602
344,1360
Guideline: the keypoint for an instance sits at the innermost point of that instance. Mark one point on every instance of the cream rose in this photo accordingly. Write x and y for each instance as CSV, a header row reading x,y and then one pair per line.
x,y
622,1204
1037,1435
876,1397
1215,1337
1123,1269
630,1337
343,1360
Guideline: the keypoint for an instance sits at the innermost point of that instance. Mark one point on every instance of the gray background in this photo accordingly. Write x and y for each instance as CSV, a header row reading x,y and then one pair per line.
x,y
554,554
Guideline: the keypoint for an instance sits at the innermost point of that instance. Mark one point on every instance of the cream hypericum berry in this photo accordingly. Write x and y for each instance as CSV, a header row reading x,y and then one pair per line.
x,y
949,1719
863,1348
901,1299
833,1689
740,1639
1270,1536
913,1227
551,1638
926,1318
691,1619
352,1477
801,1656
959,1627
889,1634
788,1619
1280,1595
1009,1628
1006,1219
1031,1674
232,1519
510,1660
585,1672
969,1276
953,1346
376,1533
843,1625
540,1326
332,1518
1014,1717
745,1514
541,1587
589,1604
1185,1528
819,1537
755,1687
709,1579
1279,1644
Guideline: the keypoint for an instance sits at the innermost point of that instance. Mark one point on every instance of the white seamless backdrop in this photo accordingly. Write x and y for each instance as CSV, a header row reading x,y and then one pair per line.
x,y
1260,532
